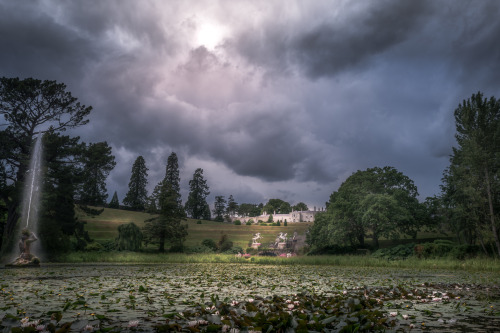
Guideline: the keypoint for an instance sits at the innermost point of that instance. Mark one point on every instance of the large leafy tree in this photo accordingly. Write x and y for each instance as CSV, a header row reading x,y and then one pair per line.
x,y
129,237
219,208
248,209
30,106
166,202
97,163
137,194
196,204
372,203
300,207
471,183
277,206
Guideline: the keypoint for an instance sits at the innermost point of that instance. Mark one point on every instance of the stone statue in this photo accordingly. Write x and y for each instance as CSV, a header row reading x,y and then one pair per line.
x,y
26,258
255,238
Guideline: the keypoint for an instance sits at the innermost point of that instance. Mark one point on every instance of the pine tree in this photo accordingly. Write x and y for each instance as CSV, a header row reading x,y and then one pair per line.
x,y
137,195
232,206
114,203
166,201
196,204
219,208
97,163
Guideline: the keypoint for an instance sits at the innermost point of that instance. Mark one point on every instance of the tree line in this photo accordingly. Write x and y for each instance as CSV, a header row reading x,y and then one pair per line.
x,y
382,202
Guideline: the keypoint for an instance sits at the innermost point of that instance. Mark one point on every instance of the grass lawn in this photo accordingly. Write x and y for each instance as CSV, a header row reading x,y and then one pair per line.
x,y
105,227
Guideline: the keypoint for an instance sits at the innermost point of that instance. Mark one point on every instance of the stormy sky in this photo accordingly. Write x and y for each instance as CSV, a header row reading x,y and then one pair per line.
x,y
273,99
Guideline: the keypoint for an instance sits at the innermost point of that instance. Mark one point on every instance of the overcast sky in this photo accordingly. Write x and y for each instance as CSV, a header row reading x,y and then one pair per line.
x,y
273,99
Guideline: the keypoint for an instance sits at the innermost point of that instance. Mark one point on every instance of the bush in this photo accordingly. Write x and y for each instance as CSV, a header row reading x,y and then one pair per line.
x,y
176,249
251,250
285,224
237,222
198,249
108,245
94,246
248,222
210,243
251,221
198,222
396,252
332,249
278,223
234,250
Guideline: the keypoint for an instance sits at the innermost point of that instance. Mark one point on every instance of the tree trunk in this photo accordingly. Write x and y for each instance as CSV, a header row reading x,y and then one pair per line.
x,y
375,240
491,211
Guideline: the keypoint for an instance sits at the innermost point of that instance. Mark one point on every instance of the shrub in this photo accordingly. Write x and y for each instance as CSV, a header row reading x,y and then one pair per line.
x,y
278,223
234,250
176,249
94,246
198,249
210,243
129,237
251,221
198,222
251,250
224,244
285,224
396,252
237,222
248,222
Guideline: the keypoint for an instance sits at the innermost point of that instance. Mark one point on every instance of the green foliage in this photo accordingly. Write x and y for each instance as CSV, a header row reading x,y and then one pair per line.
x,y
445,248
300,207
94,246
377,202
137,194
249,222
237,222
277,206
470,198
402,251
285,223
91,211
27,107
210,243
97,162
219,208
224,244
252,210
232,206
196,204
129,237
270,218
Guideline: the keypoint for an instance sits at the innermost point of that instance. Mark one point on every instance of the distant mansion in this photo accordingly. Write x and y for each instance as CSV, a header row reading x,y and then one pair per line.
x,y
294,216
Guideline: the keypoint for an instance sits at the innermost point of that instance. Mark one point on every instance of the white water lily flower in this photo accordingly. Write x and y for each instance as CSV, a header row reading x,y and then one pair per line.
x,y
225,328
344,292
405,316
290,306
234,330
40,328
192,323
88,328
393,314
250,300
133,323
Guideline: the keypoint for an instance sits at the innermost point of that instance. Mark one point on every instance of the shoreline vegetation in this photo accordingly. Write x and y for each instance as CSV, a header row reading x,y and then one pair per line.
x,y
477,264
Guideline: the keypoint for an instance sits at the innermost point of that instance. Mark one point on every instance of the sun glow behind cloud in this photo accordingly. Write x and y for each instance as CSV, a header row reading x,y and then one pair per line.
x,y
209,34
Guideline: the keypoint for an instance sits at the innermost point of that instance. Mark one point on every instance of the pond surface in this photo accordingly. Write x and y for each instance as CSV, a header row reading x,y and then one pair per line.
x,y
245,297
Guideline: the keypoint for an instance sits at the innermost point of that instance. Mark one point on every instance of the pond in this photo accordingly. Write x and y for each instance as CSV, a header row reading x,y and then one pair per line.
x,y
245,298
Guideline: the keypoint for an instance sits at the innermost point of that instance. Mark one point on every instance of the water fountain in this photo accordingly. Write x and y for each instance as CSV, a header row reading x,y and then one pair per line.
x,y
29,216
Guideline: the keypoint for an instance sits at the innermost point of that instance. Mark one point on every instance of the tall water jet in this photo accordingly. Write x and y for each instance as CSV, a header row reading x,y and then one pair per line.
x,y
30,208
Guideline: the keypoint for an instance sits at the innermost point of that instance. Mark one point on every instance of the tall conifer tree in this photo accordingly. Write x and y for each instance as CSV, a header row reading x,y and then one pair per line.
x,y
137,194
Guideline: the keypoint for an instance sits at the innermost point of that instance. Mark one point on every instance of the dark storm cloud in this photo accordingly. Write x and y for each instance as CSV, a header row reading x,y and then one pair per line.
x,y
325,46
293,99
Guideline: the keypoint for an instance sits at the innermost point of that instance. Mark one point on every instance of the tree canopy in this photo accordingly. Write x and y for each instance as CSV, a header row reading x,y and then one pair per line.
x,y
372,203
471,183
30,106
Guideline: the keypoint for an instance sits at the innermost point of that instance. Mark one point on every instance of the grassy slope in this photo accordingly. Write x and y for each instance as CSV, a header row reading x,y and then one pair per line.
x,y
105,227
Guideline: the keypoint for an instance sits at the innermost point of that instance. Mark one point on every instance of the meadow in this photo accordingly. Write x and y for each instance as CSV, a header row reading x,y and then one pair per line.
x,y
104,227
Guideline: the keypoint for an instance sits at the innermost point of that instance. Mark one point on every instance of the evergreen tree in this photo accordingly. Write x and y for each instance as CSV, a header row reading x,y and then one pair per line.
x,y
196,204
472,182
232,206
166,202
137,195
114,203
97,163
219,208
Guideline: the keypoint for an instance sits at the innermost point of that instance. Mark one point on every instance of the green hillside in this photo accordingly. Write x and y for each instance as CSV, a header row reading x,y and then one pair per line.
x,y
105,227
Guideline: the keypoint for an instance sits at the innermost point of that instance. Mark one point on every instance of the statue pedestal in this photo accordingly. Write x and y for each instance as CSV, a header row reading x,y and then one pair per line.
x,y
281,245
255,246
25,260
